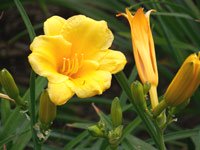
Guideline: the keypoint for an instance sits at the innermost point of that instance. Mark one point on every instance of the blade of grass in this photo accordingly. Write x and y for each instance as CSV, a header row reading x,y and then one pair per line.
x,y
76,140
138,143
33,75
11,137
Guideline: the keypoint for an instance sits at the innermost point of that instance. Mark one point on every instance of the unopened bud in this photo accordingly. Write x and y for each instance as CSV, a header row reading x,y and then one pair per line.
x,y
47,110
185,83
9,84
95,131
10,87
116,113
115,135
138,94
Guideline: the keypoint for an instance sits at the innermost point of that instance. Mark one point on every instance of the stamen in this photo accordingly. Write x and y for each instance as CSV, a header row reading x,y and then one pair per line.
x,y
63,65
67,70
71,65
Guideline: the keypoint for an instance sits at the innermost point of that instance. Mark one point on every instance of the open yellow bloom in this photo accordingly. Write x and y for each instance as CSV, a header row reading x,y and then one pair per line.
x,y
74,56
143,49
185,82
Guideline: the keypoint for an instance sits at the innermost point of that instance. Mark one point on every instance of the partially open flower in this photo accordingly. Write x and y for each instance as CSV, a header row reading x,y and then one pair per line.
x,y
74,56
143,49
185,82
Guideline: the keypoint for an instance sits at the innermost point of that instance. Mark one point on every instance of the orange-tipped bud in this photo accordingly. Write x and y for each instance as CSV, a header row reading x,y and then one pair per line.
x,y
185,82
143,50
143,46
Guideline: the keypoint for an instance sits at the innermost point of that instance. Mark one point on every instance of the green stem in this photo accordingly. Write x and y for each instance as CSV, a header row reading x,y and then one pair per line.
x,y
159,108
32,110
32,34
160,137
122,80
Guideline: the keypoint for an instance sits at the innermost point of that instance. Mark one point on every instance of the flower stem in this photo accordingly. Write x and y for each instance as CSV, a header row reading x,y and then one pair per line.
x,y
32,34
153,96
151,125
159,108
160,138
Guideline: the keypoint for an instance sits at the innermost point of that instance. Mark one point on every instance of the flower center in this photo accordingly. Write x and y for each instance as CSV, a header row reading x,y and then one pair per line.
x,y
71,65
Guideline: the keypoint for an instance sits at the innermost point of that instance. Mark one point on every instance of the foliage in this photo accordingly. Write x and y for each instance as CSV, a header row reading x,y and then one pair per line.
x,y
176,34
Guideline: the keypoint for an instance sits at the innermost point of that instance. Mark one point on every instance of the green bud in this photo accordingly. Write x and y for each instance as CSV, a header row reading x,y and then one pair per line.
x,y
11,89
116,113
115,135
95,131
9,84
138,94
47,110
161,119
146,87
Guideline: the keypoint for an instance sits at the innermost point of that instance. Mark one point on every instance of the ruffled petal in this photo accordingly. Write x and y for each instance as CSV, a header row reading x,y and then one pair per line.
x,y
86,34
60,93
54,25
110,60
94,83
52,48
42,65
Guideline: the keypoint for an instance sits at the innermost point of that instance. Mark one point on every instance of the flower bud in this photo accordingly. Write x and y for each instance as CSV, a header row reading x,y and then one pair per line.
x,y
11,88
116,113
95,131
47,110
138,94
185,82
115,135
9,84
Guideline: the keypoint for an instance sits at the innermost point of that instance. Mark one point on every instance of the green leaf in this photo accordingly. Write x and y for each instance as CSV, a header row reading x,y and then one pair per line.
x,y
11,137
80,125
76,140
5,110
25,19
196,139
138,143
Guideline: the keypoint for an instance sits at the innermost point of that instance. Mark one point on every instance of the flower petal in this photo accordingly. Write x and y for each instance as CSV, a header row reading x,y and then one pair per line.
x,y
41,64
60,93
87,67
110,60
143,46
94,83
87,34
54,25
52,48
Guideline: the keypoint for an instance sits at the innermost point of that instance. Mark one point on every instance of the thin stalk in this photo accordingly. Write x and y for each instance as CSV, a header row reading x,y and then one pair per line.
x,y
159,108
160,137
153,96
122,80
32,34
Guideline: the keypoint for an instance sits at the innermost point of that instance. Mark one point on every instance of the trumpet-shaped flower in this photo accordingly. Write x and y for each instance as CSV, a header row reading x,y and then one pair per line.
x,y
185,82
143,49
75,57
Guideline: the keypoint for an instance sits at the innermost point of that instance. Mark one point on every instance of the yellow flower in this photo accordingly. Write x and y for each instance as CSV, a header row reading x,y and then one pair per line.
x,y
143,49
185,82
74,56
